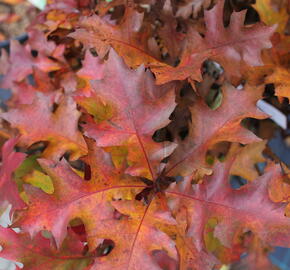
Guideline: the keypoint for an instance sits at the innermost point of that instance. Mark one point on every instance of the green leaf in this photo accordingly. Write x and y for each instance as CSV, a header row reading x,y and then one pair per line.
x,y
214,98
40,180
27,166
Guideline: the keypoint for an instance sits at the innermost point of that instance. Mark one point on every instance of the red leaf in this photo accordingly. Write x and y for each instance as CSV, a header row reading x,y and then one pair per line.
x,y
92,67
128,38
237,44
232,47
10,162
212,126
131,166
248,208
36,122
40,254
138,109
21,54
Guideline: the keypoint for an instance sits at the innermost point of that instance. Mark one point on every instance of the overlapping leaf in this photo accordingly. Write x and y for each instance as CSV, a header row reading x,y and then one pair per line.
x,y
137,108
36,122
138,231
235,45
247,159
248,208
212,126
10,161
40,254
18,54
132,202
129,38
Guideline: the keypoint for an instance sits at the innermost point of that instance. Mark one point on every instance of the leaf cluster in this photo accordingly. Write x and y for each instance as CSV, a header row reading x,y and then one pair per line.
x,y
128,121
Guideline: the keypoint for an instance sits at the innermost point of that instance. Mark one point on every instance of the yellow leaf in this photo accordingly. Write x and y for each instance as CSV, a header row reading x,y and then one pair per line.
x,y
269,16
244,164
40,180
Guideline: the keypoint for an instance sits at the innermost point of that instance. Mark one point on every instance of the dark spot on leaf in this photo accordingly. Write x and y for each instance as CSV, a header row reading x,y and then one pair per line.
x,y
105,248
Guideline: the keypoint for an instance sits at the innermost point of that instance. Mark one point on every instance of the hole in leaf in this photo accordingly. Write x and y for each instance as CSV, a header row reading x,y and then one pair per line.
x,y
176,62
78,227
186,91
269,90
76,164
85,250
93,52
37,148
264,129
178,178
181,27
84,170
117,13
212,68
165,160
105,248
34,53
165,56
60,36
162,134
218,151
51,74
144,195
252,16
54,107
183,133
237,181
88,173
31,80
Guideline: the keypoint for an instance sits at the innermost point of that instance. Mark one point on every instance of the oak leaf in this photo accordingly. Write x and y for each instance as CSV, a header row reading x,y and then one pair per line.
x,y
74,197
39,253
237,44
279,188
281,79
247,158
234,45
190,64
127,38
234,211
21,54
36,122
212,126
118,173
10,161
92,67
137,109
135,224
